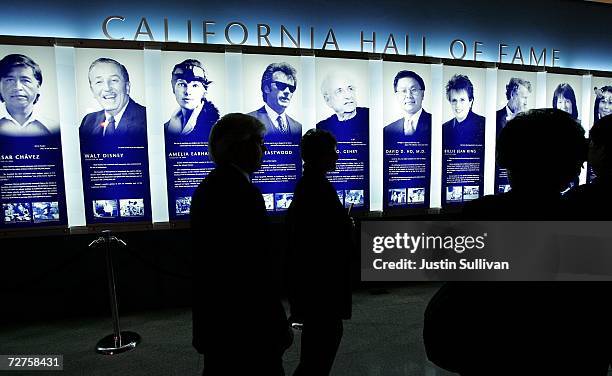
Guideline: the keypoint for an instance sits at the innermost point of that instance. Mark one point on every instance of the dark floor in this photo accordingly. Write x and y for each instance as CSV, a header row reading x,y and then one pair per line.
x,y
382,339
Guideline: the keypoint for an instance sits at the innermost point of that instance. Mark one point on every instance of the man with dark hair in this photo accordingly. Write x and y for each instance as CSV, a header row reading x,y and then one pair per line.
x,y
229,223
518,91
518,328
319,229
109,82
20,81
409,90
278,83
466,127
196,115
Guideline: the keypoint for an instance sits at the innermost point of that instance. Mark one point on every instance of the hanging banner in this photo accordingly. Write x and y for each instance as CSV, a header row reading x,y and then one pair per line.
x,y
192,91
32,190
343,110
463,135
272,95
113,135
516,93
406,135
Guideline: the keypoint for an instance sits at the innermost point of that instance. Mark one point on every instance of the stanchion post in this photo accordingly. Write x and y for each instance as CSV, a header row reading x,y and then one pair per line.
x,y
119,341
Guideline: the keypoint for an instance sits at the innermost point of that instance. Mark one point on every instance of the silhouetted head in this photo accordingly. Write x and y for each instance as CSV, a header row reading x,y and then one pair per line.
x,y
238,139
600,147
542,149
318,148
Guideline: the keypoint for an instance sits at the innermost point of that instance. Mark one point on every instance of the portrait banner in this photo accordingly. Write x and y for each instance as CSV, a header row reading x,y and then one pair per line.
x,y
406,135
343,110
32,192
601,102
516,93
564,92
463,135
113,135
193,85
272,94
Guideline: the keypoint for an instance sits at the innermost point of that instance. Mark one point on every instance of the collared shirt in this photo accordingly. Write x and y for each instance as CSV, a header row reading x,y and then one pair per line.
x,y
33,127
117,117
274,116
410,122
509,114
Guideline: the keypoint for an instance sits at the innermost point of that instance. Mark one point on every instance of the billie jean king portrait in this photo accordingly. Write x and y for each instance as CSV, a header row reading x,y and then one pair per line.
x,y
415,125
466,127
348,121
278,83
20,82
120,116
196,115
518,92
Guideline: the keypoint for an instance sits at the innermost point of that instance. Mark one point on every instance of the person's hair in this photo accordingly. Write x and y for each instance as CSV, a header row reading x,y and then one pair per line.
x,y
106,60
329,77
314,143
514,84
185,66
567,92
546,145
408,74
16,60
266,78
229,132
598,98
460,82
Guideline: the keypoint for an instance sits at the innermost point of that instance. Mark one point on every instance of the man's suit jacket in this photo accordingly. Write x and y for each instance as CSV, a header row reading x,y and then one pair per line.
x,y
500,120
295,128
132,123
319,229
234,270
395,130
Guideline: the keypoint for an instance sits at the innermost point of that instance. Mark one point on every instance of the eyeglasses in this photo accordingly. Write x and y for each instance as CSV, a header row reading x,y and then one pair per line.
x,y
413,91
282,86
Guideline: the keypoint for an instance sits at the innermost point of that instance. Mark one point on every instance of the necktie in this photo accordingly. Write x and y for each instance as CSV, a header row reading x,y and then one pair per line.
x,y
109,130
409,128
281,125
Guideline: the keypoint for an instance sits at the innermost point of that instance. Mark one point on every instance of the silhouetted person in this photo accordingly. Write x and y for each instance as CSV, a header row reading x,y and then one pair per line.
x,y
233,268
524,328
543,152
320,243
593,201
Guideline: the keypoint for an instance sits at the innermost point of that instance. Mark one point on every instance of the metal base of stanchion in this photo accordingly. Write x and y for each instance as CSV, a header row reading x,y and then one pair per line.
x,y
111,344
